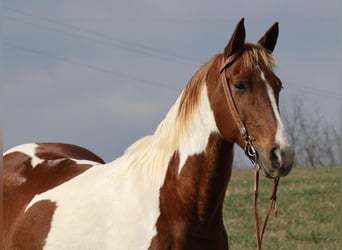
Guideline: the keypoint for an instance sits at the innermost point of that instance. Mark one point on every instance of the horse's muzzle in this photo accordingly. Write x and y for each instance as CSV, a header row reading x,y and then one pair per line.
x,y
282,160
277,162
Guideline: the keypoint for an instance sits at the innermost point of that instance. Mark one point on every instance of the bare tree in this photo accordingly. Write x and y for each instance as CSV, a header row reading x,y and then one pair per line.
x,y
315,142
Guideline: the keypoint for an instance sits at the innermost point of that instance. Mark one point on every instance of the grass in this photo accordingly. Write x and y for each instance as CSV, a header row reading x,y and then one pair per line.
x,y
308,210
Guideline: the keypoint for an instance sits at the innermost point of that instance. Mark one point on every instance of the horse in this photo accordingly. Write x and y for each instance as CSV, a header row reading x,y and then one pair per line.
x,y
167,190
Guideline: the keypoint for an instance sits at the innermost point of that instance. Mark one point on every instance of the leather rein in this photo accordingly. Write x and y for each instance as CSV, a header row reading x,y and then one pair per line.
x,y
251,153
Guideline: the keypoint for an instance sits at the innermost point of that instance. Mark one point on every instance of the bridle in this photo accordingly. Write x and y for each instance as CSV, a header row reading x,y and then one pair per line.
x,y
250,152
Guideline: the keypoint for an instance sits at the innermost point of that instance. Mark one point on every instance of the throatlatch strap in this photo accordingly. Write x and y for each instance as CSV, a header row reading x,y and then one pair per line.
x,y
231,105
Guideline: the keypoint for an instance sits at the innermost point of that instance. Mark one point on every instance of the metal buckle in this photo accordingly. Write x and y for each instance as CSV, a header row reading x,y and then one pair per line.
x,y
251,153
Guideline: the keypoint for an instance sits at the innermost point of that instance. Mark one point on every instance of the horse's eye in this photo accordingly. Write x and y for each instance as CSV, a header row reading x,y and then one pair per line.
x,y
239,86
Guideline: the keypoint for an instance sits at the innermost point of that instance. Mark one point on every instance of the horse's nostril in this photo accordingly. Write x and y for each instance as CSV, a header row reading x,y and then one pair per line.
x,y
275,156
282,158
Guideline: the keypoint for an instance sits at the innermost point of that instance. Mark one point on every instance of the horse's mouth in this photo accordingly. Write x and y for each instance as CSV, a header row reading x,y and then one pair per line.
x,y
274,172
269,173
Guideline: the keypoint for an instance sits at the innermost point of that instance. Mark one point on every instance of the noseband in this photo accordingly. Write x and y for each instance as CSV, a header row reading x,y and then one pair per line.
x,y
250,152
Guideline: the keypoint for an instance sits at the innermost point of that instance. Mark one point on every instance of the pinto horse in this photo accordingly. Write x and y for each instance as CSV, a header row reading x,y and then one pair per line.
x,y
167,190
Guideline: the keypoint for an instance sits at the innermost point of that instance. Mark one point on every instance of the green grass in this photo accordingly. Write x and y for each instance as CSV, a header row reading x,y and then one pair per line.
x,y
308,210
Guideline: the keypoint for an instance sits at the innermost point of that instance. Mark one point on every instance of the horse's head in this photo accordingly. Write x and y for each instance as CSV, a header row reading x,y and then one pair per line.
x,y
243,89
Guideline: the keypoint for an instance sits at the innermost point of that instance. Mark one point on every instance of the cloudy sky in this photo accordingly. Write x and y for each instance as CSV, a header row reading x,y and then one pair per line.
x,y
104,73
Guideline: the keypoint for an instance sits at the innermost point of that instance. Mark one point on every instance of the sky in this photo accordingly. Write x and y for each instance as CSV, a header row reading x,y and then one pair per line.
x,y
102,74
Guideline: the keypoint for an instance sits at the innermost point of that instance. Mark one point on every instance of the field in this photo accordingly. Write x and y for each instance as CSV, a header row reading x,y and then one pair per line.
x,y
309,211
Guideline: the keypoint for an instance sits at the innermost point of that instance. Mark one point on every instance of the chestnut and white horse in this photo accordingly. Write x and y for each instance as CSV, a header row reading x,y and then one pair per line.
x,y
167,190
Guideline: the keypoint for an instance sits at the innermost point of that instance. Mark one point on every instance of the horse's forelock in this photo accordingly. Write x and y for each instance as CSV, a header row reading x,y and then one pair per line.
x,y
255,55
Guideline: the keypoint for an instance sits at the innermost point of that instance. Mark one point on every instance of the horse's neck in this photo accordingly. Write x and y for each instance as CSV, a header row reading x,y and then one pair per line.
x,y
191,200
201,184
199,153
188,157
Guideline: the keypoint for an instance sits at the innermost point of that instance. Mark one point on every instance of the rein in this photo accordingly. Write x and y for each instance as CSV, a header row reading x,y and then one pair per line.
x,y
251,153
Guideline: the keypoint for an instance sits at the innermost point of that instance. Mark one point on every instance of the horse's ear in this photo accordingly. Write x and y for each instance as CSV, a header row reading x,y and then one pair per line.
x,y
237,40
269,39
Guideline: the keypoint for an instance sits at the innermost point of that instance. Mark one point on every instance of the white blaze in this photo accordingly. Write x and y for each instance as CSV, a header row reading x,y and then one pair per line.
x,y
281,137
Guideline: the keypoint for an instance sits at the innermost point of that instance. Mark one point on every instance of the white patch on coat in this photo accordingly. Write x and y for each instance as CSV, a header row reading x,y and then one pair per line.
x,y
200,127
107,207
27,149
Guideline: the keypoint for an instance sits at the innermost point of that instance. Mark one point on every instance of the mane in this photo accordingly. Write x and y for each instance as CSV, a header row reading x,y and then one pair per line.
x,y
191,94
156,150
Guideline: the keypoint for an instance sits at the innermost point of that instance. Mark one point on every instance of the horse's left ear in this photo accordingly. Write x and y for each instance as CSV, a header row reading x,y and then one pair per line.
x,y
269,39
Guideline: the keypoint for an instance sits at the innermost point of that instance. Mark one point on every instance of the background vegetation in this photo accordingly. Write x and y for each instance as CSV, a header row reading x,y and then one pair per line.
x,y
316,142
308,211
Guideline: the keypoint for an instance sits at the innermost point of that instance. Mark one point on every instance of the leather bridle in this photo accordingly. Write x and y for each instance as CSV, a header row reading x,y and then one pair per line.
x,y
250,152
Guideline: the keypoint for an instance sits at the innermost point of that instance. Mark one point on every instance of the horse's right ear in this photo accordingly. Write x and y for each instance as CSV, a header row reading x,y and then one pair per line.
x,y
237,40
